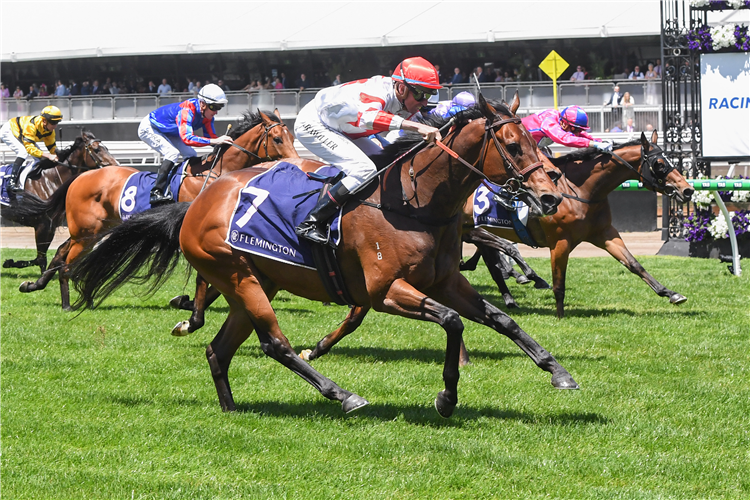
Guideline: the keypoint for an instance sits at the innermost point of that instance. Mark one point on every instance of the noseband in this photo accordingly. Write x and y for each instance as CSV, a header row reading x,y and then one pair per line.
x,y
263,143
653,177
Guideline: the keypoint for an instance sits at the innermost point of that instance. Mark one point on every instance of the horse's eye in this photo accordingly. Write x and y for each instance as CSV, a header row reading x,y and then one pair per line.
x,y
278,140
514,149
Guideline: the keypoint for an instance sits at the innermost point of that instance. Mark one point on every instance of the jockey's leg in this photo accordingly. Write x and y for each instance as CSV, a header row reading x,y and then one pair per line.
x,y
6,135
341,152
170,153
13,183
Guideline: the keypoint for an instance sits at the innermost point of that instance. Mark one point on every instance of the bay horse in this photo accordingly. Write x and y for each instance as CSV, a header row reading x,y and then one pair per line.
x,y
85,153
588,176
399,253
92,200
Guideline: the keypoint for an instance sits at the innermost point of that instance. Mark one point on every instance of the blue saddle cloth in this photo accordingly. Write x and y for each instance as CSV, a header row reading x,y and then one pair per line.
x,y
135,194
488,212
268,209
5,173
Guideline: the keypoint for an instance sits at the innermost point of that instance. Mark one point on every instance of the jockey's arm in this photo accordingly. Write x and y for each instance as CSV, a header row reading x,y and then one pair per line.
x,y
428,133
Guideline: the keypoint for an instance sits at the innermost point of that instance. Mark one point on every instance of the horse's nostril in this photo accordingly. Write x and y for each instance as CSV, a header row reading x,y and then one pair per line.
x,y
550,203
688,193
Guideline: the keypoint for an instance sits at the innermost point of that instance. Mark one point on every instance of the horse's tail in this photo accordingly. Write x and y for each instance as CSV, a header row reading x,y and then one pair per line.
x,y
150,239
30,208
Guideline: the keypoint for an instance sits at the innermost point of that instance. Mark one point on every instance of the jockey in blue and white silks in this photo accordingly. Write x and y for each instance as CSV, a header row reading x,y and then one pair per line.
x,y
170,131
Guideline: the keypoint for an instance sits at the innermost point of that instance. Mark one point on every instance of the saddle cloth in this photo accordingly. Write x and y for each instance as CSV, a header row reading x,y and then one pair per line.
x,y
488,212
136,192
268,209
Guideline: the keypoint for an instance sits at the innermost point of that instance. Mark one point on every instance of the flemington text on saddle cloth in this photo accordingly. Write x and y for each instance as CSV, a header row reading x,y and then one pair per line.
x,y
268,209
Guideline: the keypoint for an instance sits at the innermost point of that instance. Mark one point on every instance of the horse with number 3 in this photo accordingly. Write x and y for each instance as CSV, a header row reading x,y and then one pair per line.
x,y
410,216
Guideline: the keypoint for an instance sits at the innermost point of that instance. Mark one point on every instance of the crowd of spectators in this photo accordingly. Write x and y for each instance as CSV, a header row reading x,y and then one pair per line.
x,y
279,81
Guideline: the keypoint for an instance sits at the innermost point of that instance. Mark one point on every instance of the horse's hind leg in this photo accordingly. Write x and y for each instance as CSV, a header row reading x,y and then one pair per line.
x,y
353,320
612,243
57,261
250,308
205,295
471,264
43,235
458,294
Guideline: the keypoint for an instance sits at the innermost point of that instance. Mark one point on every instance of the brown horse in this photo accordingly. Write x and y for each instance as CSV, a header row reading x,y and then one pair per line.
x,y
399,253
92,200
86,153
587,178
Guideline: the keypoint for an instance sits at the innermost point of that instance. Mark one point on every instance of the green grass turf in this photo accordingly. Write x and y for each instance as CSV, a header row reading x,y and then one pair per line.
x,y
108,405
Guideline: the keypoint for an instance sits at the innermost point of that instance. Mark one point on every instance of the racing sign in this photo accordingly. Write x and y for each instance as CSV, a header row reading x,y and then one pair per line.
x,y
554,65
725,105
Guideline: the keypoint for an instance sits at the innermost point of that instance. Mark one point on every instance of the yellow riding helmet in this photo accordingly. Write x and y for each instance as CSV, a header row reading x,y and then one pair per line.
x,y
52,114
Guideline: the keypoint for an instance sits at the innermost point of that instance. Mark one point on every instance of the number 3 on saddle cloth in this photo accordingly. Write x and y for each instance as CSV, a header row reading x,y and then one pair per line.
x,y
268,209
489,212
136,191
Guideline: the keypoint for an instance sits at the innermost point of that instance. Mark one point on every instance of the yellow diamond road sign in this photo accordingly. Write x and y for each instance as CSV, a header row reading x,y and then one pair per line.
x,y
554,65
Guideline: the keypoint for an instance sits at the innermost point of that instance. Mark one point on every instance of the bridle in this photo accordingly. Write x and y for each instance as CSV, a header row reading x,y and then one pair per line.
x,y
518,175
94,156
263,143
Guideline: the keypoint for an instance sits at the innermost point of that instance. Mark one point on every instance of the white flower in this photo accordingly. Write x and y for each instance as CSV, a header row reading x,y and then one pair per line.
x,y
718,228
740,196
722,36
702,199
735,4
699,3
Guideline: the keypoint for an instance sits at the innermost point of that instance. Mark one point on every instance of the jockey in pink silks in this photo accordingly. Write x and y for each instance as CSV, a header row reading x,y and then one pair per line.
x,y
567,127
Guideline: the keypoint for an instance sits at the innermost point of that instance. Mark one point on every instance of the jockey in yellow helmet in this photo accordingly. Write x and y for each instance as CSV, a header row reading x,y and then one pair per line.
x,y
22,133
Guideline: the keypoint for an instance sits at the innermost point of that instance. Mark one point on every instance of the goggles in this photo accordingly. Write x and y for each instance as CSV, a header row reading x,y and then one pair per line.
x,y
420,94
214,107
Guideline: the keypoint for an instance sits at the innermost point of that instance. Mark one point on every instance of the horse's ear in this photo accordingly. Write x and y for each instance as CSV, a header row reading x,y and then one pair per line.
x,y
654,137
487,110
264,117
644,141
515,103
276,112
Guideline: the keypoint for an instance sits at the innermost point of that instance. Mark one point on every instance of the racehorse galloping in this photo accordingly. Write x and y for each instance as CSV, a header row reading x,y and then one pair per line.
x,y
396,257
92,201
86,153
588,176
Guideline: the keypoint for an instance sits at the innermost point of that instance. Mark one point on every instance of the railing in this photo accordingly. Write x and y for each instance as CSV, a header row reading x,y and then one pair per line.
x,y
534,96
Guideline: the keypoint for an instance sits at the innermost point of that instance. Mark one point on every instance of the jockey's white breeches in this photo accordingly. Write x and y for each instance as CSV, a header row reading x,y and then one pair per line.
x,y
349,155
170,148
6,135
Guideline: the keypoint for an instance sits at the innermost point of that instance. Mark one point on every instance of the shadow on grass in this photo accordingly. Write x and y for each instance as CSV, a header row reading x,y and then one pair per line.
x,y
418,415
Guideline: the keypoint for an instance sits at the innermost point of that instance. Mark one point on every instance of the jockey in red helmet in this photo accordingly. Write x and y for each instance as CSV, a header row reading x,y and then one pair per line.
x,y
567,127
338,123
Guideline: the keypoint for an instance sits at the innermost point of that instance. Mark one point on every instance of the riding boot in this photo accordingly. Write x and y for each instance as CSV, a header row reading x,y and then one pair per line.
x,y
162,177
313,227
13,183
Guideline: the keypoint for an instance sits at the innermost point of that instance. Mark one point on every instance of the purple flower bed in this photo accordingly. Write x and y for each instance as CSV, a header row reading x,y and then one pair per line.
x,y
697,224
700,39
743,40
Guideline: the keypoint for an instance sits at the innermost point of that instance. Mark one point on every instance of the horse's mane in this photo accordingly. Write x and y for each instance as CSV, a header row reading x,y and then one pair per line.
x,y
250,120
587,154
410,139
63,154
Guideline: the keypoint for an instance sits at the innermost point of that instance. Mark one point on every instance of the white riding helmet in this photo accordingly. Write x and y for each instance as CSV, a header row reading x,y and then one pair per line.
x,y
212,94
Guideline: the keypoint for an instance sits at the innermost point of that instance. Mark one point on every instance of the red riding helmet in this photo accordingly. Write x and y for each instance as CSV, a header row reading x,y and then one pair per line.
x,y
418,72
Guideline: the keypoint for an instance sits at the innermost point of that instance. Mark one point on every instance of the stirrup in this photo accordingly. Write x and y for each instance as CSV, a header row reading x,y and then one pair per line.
x,y
310,231
160,199
14,187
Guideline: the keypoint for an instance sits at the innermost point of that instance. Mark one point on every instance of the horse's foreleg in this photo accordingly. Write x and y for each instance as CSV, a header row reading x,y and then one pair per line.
x,y
611,242
471,264
458,294
205,295
352,321
402,299
57,261
559,255
495,263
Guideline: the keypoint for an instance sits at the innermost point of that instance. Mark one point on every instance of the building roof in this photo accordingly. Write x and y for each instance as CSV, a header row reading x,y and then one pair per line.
x,y
116,28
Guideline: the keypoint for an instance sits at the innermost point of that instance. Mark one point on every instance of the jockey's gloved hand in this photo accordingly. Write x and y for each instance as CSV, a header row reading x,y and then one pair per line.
x,y
603,146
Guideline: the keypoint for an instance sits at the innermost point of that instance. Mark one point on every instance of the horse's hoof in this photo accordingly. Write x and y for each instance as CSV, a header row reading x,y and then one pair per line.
x,y
67,308
511,304
24,288
177,301
523,280
677,299
305,354
444,406
8,263
540,284
353,402
564,381
181,329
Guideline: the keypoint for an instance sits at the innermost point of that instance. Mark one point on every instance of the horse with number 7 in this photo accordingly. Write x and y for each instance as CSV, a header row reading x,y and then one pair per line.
x,y
399,251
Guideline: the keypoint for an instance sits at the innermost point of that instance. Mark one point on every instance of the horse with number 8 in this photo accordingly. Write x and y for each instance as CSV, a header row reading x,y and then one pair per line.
x,y
399,252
